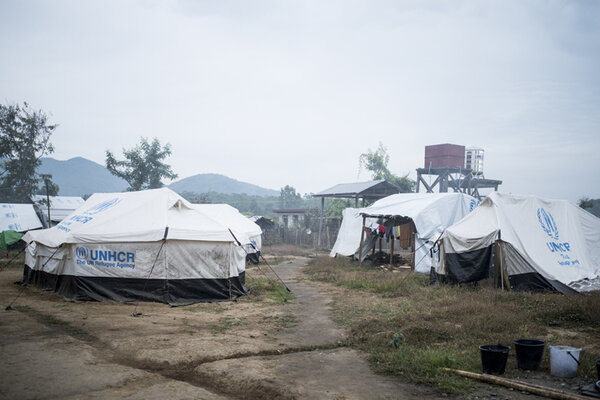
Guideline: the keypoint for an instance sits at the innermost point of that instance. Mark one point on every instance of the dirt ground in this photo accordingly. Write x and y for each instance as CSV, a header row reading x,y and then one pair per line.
x,y
51,348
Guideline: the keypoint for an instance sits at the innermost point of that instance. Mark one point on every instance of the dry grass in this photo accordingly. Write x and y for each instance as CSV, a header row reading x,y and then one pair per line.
x,y
413,329
279,250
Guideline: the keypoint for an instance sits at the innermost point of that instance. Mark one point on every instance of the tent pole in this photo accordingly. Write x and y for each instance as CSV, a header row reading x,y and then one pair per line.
x,y
501,259
362,240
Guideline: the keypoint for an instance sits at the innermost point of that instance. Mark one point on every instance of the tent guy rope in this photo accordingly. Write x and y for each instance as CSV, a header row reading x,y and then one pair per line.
x,y
164,239
9,307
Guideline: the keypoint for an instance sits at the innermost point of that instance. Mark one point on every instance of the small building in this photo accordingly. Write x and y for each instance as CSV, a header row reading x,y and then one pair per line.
x,y
292,217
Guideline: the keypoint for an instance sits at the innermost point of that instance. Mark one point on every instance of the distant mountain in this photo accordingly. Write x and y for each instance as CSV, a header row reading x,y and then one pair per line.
x,y
203,183
79,176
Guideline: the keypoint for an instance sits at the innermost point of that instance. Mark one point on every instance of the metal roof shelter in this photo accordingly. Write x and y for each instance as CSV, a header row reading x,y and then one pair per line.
x,y
372,190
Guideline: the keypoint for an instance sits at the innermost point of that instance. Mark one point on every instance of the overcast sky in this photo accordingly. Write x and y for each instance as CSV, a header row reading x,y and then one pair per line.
x,y
292,92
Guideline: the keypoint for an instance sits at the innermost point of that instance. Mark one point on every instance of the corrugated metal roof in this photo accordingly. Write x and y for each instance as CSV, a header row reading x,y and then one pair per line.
x,y
379,187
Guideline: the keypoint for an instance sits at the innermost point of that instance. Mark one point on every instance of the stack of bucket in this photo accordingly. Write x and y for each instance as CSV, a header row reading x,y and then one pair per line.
x,y
564,360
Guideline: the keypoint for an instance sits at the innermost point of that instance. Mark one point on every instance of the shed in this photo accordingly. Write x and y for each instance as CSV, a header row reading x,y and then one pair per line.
x,y
370,190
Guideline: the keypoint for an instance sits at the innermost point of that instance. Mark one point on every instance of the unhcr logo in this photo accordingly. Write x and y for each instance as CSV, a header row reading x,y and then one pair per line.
x,y
547,223
102,206
472,205
81,253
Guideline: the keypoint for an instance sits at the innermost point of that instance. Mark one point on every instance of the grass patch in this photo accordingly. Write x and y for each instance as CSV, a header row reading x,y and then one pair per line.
x,y
227,323
16,260
274,260
286,321
265,288
414,330
286,250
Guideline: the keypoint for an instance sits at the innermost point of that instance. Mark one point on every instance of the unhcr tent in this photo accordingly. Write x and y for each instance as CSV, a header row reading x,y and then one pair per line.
x,y
18,217
234,220
149,245
429,214
527,242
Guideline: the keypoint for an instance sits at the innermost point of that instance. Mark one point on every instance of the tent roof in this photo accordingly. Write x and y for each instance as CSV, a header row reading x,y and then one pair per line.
x,y
18,217
429,211
142,216
230,217
370,189
60,206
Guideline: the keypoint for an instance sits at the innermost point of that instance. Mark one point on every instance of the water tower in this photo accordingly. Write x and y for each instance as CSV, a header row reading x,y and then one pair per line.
x,y
451,166
474,160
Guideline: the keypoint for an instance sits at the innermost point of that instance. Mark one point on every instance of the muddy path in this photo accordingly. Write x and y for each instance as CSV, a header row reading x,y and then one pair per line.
x,y
51,348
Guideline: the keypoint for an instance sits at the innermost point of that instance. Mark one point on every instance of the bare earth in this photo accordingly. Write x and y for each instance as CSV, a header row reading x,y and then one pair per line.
x,y
55,349
51,348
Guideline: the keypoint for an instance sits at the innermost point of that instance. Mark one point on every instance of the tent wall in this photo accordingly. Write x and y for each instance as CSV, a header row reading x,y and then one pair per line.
x,y
498,260
184,272
544,244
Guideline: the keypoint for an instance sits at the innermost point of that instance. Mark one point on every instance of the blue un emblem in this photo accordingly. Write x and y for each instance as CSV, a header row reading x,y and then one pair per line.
x,y
81,253
547,223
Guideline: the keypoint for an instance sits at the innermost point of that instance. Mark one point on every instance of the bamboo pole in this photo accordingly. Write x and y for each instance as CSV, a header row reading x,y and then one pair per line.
x,y
524,386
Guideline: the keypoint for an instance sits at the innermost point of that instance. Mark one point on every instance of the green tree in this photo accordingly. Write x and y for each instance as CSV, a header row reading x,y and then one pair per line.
x,y
377,162
586,202
288,197
24,140
143,167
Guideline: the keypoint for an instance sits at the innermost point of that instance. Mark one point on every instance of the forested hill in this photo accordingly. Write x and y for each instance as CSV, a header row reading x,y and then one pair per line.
x,y
79,176
204,183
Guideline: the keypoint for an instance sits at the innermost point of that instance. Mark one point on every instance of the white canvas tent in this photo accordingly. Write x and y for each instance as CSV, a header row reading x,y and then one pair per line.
x,y
18,217
234,220
431,213
530,243
151,245
60,206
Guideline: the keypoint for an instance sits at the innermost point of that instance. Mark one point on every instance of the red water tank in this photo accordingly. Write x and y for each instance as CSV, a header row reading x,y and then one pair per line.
x,y
444,155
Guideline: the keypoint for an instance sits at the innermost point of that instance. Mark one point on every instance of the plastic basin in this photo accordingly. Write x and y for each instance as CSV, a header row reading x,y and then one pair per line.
x,y
529,353
493,358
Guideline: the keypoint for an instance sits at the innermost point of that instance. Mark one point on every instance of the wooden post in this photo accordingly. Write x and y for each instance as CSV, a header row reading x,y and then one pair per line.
x,y
412,261
392,249
362,240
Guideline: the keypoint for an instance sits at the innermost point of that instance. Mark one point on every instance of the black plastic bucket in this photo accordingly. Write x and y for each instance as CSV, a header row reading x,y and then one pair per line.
x,y
493,358
529,353
598,368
